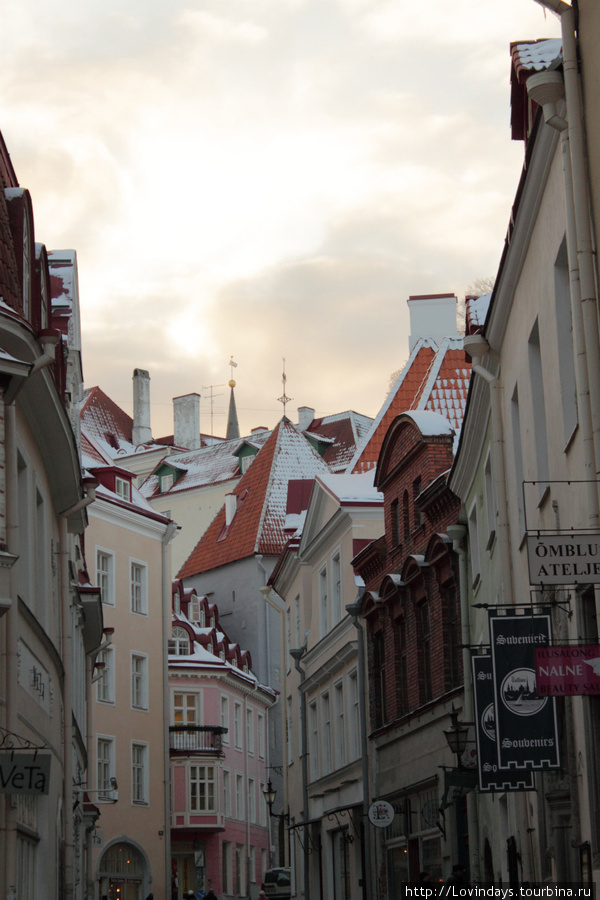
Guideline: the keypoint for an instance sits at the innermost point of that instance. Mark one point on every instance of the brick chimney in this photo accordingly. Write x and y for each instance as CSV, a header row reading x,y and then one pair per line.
x,y
186,418
142,433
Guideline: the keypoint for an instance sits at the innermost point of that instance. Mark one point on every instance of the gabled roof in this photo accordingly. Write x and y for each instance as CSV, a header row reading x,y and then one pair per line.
x,y
342,433
258,523
436,377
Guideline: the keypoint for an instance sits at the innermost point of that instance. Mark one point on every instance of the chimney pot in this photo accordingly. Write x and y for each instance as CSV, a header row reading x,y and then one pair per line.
x,y
141,433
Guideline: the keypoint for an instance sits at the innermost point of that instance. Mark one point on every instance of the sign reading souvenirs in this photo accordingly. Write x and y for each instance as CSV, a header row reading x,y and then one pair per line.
x,y
24,773
560,559
526,730
567,670
491,777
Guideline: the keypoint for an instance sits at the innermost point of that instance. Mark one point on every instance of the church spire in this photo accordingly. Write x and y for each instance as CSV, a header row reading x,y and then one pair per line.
x,y
233,428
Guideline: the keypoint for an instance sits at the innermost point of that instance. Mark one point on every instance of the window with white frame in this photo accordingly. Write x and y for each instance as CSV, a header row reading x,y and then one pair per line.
x,y
250,731
138,588
336,575
139,773
226,792
166,482
139,681
186,706
105,762
202,788
225,719
105,686
340,725
474,544
240,869
313,735
122,488
179,642
251,800
326,719
237,726
354,715
26,867
226,867
105,576
323,602
260,729
262,804
239,796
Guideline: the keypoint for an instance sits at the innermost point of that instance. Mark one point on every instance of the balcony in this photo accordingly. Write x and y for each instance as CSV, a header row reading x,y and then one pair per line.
x,y
202,740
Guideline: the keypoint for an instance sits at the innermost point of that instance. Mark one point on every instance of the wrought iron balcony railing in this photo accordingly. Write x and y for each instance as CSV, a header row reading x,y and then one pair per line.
x,y
196,739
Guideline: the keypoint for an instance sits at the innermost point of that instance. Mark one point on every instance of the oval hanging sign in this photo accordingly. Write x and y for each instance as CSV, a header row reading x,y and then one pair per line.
x,y
381,814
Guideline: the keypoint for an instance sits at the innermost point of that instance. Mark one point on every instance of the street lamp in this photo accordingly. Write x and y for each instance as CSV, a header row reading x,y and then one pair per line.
x,y
270,794
456,736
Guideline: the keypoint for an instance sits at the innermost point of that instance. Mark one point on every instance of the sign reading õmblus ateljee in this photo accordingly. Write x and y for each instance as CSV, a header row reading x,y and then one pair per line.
x,y
563,559
527,735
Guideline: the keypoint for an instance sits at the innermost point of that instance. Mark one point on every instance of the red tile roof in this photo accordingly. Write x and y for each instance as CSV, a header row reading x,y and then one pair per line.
x,y
258,524
434,378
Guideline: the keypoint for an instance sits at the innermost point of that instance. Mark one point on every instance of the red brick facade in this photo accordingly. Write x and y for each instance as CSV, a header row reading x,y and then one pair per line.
x,y
411,604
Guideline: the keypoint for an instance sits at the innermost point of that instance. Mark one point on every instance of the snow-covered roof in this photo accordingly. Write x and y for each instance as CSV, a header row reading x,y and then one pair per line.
x,y
538,55
352,488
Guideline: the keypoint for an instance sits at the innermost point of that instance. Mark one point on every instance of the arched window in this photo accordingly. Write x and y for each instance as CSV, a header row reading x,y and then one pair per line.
x,y
194,609
406,515
179,643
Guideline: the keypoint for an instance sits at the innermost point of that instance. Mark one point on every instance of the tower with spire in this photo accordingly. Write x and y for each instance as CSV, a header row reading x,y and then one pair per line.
x,y
233,428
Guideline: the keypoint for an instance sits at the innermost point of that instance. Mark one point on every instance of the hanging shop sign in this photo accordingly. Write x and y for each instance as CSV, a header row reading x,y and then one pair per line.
x,y
381,814
526,728
24,773
492,778
563,670
563,559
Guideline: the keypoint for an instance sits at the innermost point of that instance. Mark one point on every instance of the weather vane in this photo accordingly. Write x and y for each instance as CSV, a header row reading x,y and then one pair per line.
x,y
232,366
284,397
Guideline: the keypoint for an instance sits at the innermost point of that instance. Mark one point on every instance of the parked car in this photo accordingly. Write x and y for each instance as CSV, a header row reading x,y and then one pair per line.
x,y
278,884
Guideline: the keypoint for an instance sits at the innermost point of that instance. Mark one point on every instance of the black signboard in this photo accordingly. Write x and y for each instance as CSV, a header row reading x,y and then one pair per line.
x,y
491,778
526,730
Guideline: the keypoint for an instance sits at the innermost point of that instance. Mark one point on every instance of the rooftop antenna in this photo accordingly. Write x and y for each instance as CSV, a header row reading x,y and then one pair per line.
x,y
212,395
284,397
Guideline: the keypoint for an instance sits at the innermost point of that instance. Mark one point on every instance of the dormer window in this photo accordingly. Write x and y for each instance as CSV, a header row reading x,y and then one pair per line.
x,y
245,463
166,483
179,642
123,489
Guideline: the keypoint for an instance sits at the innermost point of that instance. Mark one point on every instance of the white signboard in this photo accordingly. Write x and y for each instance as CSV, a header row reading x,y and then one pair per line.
x,y
24,773
381,814
564,559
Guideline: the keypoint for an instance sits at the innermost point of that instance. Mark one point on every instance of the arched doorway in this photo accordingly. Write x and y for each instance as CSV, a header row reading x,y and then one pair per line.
x,y
121,873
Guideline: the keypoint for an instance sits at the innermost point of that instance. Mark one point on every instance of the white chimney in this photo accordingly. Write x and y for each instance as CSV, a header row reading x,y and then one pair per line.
x,y
431,316
142,433
305,416
186,417
230,507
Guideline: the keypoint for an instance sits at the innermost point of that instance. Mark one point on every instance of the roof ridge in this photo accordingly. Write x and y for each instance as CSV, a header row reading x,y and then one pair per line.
x,y
263,511
431,375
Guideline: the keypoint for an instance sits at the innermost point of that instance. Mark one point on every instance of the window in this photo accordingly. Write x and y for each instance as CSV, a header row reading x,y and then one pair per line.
x,y
251,800
536,377
122,488
379,705
105,686
425,652
297,621
105,576
396,537
326,717
138,773
138,588
453,638
105,749
340,725
489,502
139,681
337,588
239,796
517,453
226,792
313,734
260,728
26,867
240,874
418,514
262,804
474,544
250,731
288,731
237,726
406,516
202,788
402,676
226,867
185,708
252,864
323,602
354,715
225,719
166,483
179,642
566,355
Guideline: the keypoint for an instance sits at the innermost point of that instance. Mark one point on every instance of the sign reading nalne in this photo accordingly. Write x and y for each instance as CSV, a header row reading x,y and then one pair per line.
x,y
560,559
565,670
24,773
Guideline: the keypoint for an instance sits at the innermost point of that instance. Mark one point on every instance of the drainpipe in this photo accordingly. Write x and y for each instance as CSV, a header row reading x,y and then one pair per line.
x,y
457,533
477,346
12,636
297,656
353,609
67,656
170,532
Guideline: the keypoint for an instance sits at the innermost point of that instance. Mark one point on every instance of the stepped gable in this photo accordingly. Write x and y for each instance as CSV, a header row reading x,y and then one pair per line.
x,y
257,526
435,378
342,433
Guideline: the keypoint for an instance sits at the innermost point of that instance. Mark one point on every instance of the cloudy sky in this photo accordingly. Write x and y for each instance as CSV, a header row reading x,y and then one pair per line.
x,y
266,179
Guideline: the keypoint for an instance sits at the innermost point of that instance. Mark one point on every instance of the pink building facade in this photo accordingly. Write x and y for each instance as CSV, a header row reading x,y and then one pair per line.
x,y
220,835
